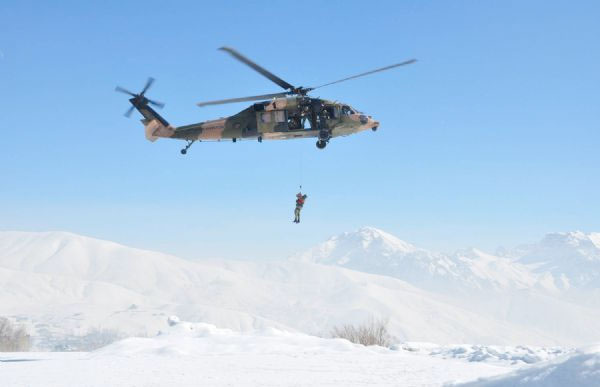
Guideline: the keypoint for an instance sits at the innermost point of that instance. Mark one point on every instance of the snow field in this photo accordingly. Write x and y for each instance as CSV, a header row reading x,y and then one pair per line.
x,y
201,354
491,354
192,354
580,369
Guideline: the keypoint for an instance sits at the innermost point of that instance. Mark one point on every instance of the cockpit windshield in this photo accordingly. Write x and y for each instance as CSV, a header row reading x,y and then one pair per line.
x,y
356,111
347,110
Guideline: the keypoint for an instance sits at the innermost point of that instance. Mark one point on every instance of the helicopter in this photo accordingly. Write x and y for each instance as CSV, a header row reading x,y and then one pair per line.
x,y
290,114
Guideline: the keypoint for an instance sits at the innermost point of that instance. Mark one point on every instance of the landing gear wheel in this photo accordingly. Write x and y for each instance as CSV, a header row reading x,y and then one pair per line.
x,y
374,128
321,144
189,144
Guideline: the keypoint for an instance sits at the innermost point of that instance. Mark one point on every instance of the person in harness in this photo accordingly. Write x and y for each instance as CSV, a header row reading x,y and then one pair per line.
x,y
299,204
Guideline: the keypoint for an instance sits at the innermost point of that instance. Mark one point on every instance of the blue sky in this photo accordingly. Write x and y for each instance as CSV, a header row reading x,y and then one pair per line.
x,y
490,139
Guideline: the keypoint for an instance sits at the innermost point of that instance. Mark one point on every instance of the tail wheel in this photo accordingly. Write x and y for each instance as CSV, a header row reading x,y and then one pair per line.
x,y
321,144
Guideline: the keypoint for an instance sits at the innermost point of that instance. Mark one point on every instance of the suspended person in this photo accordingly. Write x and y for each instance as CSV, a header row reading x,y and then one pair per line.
x,y
300,199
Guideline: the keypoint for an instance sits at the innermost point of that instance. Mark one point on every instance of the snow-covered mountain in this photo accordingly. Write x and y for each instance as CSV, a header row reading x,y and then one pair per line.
x,y
68,283
374,251
525,286
565,259
560,261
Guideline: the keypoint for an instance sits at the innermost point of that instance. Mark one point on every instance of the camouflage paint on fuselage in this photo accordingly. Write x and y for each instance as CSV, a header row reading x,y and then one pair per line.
x,y
278,119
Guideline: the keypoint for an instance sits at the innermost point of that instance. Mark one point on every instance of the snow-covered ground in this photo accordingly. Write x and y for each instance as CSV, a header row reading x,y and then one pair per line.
x,y
580,369
490,354
192,354
201,354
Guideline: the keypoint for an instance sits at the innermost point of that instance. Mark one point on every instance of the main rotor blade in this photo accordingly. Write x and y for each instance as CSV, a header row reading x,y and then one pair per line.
x,y
148,84
122,90
257,68
243,99
368,72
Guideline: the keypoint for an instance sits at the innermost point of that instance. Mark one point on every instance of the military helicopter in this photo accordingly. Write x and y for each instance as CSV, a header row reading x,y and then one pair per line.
x,y
289,114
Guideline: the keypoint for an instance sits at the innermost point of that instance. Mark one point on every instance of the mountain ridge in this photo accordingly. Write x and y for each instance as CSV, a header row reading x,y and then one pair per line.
x,y
65,281
559,261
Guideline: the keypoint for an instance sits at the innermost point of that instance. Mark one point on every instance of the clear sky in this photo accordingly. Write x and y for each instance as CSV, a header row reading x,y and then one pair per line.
x,y
491,139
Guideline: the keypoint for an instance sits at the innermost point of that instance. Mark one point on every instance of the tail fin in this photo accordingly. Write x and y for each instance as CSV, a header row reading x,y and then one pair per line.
x,y
154,125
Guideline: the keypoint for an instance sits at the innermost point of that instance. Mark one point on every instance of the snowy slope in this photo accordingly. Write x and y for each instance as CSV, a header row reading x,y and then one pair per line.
x,y
193,339
203,355
581,369
492,354
69,282
505,288
191,354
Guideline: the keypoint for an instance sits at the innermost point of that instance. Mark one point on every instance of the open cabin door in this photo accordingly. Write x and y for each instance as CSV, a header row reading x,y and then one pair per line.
x,y
272,121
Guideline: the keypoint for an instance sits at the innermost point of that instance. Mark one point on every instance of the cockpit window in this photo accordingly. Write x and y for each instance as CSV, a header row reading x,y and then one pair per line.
x,y
347,110
356,111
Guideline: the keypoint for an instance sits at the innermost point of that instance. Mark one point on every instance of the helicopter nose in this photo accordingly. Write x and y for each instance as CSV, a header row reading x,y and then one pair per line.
x,y
374,124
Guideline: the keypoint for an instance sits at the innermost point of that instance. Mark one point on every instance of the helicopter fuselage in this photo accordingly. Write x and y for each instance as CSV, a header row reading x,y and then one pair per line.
x,y
280,119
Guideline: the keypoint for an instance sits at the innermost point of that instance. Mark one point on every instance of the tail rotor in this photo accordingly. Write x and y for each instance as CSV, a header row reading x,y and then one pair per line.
x,y
139,100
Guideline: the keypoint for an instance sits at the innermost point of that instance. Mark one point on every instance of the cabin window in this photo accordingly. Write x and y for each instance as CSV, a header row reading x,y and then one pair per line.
x,y
279,115
273,116
265,117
